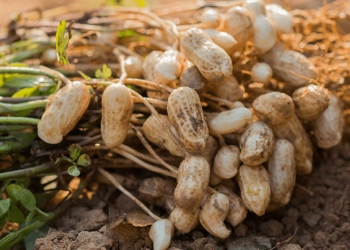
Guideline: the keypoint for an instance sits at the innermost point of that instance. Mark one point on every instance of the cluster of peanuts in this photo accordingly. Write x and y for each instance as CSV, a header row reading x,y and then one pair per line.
x,y
270,144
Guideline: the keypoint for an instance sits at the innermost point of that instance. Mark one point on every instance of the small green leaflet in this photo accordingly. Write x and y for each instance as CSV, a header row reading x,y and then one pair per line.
x,y
74,151
73,171
84,160
105,73
62,39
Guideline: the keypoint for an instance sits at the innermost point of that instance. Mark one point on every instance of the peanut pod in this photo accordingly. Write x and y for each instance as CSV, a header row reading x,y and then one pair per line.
x,y
117,108
282,172
211,60
186,114
193,180
255,188
63,111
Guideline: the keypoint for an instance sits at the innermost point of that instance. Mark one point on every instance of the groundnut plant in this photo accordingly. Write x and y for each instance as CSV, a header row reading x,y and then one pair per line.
x,y
219,106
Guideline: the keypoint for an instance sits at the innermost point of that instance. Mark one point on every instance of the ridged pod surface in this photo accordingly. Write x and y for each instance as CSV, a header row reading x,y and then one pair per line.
x,y
193,180
255,188
274,108
117,108
186,114
155,133
294,132
63,111
310,101
329,126
257,144
211,60
282,172
287,63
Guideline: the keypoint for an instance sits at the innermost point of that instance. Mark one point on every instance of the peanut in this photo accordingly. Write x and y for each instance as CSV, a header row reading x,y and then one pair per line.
x,y
229,90
192,78
294,132
186,114
193,180
168,67
329,126
184,222
63,111
265,33
117,108
222,39
155,133
133,66
261,72
210,19
213,214
287,63
237,211
255,188
280,17
256,143
210,149
239,25
161,233
229,121
282,172
310,101
227,162
211,60
274,108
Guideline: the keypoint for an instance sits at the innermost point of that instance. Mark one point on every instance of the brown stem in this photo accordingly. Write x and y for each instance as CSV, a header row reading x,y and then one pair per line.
x,y
127,193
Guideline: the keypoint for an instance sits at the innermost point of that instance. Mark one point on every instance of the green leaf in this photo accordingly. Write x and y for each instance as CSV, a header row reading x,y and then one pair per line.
x,y
62,40
105,73
28,200
73,171
27,92
14,191
4,206
74,151
84,160
83,75
30,216
15,215
3,220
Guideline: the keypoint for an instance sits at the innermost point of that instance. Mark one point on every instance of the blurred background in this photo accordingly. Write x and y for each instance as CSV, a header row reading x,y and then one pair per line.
x,y
10,7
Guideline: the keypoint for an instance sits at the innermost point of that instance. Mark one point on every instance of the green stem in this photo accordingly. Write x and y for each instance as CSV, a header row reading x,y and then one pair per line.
x,y
20,56
27,172
27,71
14,238
19,121
8,107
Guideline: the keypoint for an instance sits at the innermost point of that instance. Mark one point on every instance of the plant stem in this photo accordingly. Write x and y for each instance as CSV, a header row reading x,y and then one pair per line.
x,y
27,71
19,121
127,193
27,172
8,107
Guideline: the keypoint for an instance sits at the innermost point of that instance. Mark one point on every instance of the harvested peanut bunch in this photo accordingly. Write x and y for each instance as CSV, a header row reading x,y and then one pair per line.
x,y
227,106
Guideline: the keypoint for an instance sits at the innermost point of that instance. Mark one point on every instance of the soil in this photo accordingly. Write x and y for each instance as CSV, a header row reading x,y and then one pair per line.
x,y
317,217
